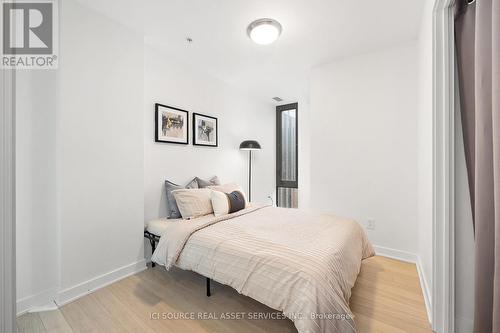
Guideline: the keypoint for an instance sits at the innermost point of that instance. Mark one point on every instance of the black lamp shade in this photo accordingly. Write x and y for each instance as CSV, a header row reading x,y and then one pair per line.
x,y
250,145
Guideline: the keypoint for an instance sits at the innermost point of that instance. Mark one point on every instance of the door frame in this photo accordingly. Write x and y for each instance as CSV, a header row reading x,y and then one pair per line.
x,y
7,194
279,182
443,236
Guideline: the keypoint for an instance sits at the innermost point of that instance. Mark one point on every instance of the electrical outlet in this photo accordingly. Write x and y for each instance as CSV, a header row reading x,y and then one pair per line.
x,y
270,197
370,224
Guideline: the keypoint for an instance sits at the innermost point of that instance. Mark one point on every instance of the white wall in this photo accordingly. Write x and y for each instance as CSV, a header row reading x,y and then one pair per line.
x,y
87,161
425,149
100,146
364,142
239,117
37,238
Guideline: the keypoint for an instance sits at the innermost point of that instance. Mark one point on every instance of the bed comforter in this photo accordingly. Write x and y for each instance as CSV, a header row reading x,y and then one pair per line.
x,y
301,263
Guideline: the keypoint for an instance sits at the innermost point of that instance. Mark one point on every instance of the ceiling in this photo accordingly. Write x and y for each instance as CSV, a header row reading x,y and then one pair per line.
x,y
314,32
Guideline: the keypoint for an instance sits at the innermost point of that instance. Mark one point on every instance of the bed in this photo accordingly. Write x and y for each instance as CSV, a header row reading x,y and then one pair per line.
x,y
300,263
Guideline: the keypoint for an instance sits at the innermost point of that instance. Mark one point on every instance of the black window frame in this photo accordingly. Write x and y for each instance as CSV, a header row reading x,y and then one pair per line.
x,y
279,181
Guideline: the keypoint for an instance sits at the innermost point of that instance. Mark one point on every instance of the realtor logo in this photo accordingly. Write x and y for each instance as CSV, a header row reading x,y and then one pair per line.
x,y
29,34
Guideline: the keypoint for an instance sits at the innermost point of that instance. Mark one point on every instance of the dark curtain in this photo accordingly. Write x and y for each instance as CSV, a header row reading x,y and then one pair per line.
x,y
477,30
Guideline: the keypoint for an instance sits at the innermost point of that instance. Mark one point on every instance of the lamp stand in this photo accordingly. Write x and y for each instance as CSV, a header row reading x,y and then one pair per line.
x,y
250,176
250,145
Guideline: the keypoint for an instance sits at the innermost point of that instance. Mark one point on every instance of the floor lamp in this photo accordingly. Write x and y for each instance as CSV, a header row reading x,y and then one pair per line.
x,y
250,145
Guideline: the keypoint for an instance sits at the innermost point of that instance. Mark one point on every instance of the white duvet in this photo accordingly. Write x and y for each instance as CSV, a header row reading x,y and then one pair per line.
x,y
300,263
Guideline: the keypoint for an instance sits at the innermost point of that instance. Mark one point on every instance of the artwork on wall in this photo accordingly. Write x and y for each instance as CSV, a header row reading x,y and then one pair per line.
x,y
205,130
171,124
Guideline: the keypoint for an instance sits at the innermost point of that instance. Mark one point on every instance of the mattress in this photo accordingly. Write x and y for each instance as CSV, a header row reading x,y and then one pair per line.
x,y
302,264
157,227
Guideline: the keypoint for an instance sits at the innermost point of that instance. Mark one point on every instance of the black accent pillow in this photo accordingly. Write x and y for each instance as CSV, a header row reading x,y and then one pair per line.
x,y
236,201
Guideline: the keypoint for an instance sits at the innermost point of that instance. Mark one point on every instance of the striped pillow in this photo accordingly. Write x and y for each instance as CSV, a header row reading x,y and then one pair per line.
x,y
193,203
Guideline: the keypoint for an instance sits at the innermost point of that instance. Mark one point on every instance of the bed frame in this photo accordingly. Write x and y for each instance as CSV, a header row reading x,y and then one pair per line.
x,y
153,239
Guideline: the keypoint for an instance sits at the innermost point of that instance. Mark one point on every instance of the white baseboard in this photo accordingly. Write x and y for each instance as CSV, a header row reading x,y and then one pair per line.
x,y
425,290
414,259
395,254
70,294
46,307
52,298
40,300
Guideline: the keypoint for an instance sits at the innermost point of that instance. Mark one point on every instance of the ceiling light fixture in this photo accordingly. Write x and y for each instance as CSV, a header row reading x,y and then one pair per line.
x,y
264,31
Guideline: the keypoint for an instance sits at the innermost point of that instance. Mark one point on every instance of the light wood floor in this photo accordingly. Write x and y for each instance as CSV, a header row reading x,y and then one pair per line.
x,y
386,298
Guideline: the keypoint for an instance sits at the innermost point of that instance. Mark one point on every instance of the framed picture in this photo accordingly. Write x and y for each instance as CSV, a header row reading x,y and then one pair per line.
x,y
171,124
204,130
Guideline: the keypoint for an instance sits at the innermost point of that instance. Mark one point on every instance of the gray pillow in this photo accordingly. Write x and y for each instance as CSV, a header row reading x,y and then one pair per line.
x,y
206,183
192,184
172,209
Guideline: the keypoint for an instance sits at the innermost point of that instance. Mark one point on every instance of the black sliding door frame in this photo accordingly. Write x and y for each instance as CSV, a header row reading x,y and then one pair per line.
x,y
279,172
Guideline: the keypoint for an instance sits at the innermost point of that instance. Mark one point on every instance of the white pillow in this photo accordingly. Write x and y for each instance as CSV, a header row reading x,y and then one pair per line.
x,y
193,202
220,204
228,188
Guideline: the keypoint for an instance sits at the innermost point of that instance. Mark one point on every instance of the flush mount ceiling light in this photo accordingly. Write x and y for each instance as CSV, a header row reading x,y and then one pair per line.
x,y
264,31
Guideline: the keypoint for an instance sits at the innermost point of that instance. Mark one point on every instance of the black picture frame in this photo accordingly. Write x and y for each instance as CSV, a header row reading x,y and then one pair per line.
x,y
196,140
158,137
